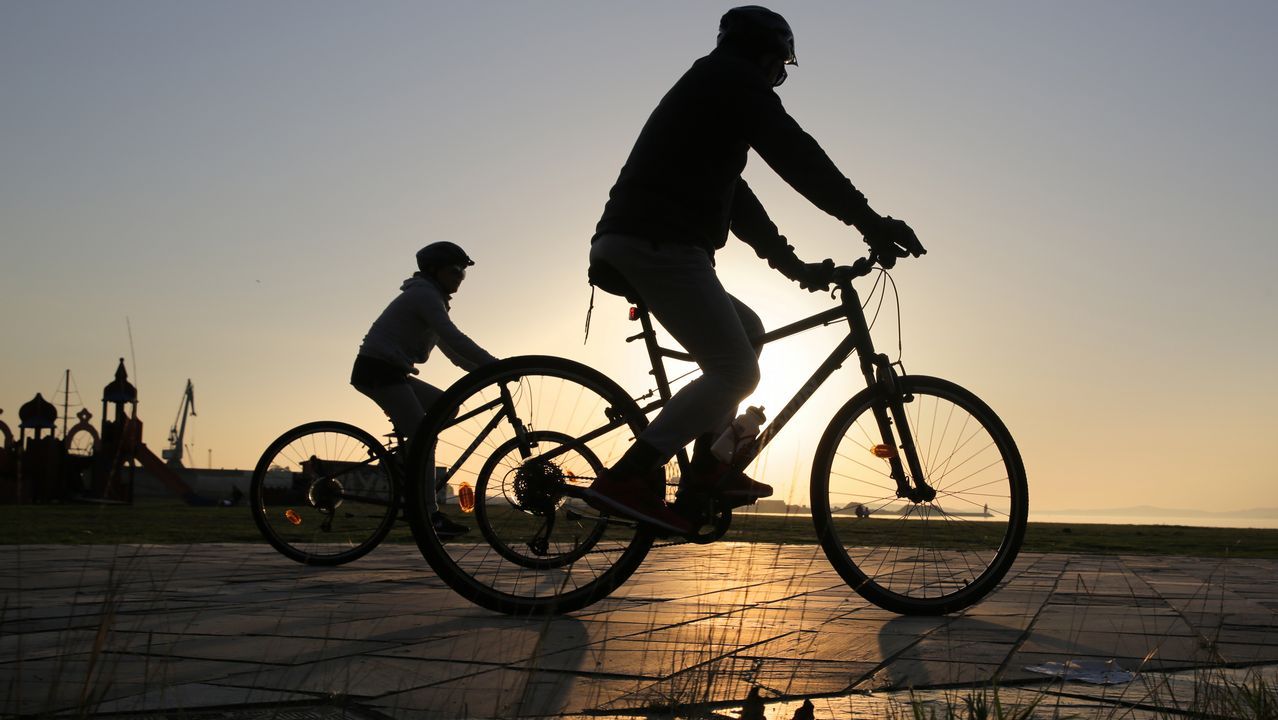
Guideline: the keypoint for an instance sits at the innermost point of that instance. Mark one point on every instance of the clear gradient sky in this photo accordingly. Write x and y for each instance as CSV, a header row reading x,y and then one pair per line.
x,y
245,184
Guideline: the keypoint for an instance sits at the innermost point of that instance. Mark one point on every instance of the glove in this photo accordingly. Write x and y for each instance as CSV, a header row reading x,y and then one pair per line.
x,y
815,276
893,239
810,276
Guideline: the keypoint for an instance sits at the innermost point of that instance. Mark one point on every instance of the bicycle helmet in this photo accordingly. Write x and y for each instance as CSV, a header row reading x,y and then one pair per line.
x,y
441,253
757,31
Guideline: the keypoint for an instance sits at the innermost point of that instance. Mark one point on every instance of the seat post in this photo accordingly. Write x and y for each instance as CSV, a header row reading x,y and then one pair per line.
x,y
654,352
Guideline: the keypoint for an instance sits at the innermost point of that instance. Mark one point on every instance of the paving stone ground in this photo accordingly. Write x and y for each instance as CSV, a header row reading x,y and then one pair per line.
x,y
237,631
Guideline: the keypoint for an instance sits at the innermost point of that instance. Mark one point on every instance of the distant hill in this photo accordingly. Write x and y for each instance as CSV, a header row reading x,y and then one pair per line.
x,y
1153,511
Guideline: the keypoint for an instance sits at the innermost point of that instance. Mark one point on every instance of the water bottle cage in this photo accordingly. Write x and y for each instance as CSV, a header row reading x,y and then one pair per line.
x,y
737,442
744,453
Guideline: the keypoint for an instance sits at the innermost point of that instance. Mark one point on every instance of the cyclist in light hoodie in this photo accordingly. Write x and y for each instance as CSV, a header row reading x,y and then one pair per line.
x,y
404,335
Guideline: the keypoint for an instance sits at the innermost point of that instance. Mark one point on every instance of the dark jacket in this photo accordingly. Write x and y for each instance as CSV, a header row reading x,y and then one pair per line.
x,y
682,182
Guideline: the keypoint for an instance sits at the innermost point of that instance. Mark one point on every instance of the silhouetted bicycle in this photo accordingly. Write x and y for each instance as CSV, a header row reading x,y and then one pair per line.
x,y
918,491
326,493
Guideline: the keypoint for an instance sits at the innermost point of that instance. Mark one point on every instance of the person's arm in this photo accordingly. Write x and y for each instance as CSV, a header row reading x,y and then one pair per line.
x,y
801,162
456,346
750,223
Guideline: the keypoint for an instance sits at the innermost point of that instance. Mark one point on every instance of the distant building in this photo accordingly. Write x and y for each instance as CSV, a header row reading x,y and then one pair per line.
x,y
85,465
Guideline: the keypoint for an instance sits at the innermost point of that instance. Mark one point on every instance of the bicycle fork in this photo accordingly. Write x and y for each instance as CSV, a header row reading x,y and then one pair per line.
x,y
889,413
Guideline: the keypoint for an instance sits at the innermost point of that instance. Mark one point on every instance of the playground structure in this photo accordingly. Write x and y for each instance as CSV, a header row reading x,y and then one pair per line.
x,y
85,464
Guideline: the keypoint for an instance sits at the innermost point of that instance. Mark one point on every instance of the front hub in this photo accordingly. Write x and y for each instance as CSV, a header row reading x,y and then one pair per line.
x,y
920,493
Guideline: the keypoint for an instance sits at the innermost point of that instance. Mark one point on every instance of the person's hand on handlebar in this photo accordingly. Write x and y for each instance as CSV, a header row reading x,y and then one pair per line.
x,y
815,276
893,239
810,276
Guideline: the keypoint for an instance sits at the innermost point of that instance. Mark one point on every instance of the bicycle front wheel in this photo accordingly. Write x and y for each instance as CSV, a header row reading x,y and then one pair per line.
x,y
514,443
921,558
324,493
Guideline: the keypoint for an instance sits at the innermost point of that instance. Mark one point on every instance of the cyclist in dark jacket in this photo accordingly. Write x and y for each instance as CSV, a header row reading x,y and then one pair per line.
x,y
674,202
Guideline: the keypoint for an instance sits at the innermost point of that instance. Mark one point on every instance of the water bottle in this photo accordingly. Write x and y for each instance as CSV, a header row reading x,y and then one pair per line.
x,y
739,433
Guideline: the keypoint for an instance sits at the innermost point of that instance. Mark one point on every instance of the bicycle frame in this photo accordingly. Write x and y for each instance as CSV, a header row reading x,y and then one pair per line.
x,y
876,369
535,435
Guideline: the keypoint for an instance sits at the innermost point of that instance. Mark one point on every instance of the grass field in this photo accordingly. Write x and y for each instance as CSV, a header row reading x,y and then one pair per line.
x,y
171,522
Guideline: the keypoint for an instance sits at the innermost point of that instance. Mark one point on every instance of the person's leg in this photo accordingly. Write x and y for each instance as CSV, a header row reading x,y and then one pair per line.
x,y
404,403
681,290
702,459
400,403
427,395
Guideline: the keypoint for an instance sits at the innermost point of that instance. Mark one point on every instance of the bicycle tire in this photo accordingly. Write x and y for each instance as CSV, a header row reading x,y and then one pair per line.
x,y
324,493
920,558
553,396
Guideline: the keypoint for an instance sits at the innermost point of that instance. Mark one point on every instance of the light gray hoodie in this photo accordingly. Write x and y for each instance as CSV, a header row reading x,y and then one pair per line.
x,y
413,324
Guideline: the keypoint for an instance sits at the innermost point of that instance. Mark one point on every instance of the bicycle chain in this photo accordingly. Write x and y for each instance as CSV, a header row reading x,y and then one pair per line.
x,y
654,546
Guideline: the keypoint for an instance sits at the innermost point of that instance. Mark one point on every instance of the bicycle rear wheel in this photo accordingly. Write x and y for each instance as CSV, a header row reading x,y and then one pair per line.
x,y
324,493
926,558
516,439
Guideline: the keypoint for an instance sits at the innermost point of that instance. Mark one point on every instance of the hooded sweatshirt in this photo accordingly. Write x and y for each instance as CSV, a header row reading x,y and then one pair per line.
x,y
413,324
682,182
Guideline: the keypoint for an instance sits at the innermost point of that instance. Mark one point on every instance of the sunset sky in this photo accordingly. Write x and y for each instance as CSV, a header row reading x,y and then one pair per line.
x,y
244,185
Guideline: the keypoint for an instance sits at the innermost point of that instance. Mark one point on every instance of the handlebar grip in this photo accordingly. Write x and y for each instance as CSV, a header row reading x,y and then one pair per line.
x,y
860,268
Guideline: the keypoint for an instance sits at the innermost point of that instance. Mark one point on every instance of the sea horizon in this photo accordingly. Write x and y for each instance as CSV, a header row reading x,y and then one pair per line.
x,y
1240,519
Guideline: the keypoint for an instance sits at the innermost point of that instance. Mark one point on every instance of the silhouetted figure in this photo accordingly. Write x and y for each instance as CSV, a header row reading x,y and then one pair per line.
x,y
236,497
806,711
405,333
677,196
753,708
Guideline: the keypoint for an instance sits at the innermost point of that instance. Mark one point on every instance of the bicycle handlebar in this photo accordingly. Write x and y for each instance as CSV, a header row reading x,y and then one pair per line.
x,y
845,274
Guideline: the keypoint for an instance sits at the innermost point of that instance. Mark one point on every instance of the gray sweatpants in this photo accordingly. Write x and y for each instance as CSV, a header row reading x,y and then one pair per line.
x,y
678,284
404,403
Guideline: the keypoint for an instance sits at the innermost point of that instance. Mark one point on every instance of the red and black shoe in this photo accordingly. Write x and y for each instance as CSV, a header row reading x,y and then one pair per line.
x,y
634,497
721,481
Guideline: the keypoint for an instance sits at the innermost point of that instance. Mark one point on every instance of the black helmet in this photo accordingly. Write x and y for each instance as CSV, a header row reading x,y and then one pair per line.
x,y
441,253
757,30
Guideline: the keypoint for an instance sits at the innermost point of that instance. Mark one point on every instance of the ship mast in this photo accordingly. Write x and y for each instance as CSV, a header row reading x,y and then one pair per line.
x,y
66,401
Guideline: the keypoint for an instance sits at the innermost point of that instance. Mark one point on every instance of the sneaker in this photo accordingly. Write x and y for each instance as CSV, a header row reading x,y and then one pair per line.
x,y
629,497
445,528
732,485
739,485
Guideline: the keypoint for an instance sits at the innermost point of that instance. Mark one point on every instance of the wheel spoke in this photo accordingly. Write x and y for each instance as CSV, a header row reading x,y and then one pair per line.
x,y
324,493
532,545
924,557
